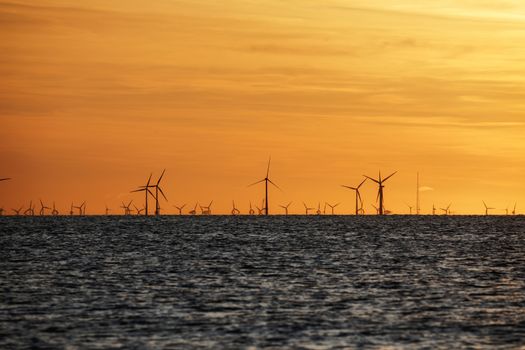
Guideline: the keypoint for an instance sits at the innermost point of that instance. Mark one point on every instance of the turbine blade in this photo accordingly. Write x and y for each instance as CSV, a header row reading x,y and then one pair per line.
x,y
149,179
389,176
255,183
268,169
368,177
161,175
362,182
162,193
270,181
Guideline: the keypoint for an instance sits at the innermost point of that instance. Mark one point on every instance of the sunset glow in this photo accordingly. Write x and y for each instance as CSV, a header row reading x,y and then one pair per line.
x,y
96,95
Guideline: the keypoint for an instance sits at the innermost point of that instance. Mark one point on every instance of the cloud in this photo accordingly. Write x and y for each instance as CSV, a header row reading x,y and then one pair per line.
x,y
425,189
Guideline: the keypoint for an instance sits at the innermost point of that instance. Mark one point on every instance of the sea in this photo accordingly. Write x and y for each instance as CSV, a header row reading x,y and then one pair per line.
x,y
254,282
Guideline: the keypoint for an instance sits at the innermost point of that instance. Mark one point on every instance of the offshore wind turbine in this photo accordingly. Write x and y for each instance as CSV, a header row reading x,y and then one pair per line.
x,y
358,198
107,210
285,207
251,211
54,212
71,209
380,182
307,209
514,210
332,206
194,210
319,212
138,210
146,190
127,210
42,208
487,208
30,210
235,211
446,210
410,208
433,209
17,211
266,180
180,208
206,210
157,190
80,208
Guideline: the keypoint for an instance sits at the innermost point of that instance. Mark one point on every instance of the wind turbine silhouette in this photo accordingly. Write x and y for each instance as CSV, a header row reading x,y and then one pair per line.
x,y
17,211
42,208
235,211
194,210
410,208
54,212
319,212
447,209
157,190
266,180
380,182
146,191
71,209
30,210
107,210
180,208
138,210
376,208
307,209
332,206
357,195
285,207
251,211
80,208
260,210
487,208
514,210
433,209
127,210
206,210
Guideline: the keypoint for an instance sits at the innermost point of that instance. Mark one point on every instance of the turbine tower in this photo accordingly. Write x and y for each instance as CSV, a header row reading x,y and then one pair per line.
x,y
332,206
514,210
358,198
380,182
157,190
54,212
266,180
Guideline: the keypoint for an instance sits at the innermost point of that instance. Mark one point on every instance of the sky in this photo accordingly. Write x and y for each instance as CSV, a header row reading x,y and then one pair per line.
x,y
96,95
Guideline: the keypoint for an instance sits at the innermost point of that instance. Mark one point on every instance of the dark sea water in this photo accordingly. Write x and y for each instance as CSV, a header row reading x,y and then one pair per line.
x,y
255,282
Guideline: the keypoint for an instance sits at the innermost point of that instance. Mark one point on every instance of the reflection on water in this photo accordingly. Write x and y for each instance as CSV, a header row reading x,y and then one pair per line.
x,y
312,282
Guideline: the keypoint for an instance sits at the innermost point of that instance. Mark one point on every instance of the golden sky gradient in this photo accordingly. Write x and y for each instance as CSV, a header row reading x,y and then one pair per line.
x,y
96,94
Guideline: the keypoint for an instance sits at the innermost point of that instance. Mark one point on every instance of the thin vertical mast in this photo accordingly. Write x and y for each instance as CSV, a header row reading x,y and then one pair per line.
x,y
417,194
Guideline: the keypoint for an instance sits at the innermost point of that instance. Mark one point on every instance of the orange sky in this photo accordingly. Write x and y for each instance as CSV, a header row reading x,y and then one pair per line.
x,y
96,94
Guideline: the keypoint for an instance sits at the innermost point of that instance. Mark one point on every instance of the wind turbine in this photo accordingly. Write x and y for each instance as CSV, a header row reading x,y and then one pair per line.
x,y
433,209
285,207
138,210
307,209
157,190
380,182
180,208
146,190
266,180
319,212
127,210
42,208
30,210
376,208
54,212
17,211
71,209
251,212
332,206
514,210
357,196
235,211
206,210
107,210
447,209
409,207
194,210
487,208
80,211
